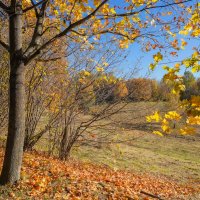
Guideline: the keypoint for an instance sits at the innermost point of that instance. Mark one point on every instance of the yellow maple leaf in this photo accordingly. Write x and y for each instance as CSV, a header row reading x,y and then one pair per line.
x,y
193,120
158,133
86,73
173,115
155,117
158,57
100,69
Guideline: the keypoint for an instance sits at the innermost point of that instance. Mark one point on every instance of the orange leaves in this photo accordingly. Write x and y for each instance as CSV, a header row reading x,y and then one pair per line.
x,y
96,2
124,44
39,184
187,130
195,101
48,178
175,44
193,120
183,44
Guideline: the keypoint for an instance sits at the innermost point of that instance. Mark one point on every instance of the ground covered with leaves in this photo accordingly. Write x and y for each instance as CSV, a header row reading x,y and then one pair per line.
x,y
45,177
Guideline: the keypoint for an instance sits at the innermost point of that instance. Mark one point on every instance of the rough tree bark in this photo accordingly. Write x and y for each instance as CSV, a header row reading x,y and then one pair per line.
x,y
16,128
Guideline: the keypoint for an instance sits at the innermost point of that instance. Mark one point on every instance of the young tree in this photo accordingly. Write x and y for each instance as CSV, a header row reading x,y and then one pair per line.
x,y
190,85
188,79
140,89
65,93
79,20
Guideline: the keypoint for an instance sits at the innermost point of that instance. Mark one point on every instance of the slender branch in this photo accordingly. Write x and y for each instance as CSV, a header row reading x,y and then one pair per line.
x,y
35,42
36,51
35,9
151,195
143,9
64,32
4,7
81,21
4,45
111,32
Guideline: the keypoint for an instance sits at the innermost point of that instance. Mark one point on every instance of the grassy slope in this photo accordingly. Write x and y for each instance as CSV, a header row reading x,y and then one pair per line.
x,y
174,156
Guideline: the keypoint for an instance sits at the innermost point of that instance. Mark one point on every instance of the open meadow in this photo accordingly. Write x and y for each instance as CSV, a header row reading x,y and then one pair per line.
x,y
125,141
124,153
134,147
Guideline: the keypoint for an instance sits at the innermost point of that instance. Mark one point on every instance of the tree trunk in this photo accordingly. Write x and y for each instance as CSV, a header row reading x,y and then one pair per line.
x,y
16,126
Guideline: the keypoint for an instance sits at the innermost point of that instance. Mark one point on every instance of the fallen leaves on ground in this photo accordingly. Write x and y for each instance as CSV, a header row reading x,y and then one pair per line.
x,y
45,177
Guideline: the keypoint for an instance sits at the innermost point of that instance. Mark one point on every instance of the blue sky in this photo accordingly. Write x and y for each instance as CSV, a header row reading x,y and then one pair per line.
x,y
143,59
137,57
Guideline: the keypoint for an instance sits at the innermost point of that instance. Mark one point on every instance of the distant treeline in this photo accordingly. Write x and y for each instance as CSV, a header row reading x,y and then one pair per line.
x,y
145,89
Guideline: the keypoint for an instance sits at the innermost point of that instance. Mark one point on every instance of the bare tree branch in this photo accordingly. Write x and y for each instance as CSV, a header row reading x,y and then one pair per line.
x,y
4,45
35,42
143,9
69,28
4,7
36,51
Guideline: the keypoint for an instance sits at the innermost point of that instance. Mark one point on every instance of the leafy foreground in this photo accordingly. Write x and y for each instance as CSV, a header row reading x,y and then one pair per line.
x,y
45,177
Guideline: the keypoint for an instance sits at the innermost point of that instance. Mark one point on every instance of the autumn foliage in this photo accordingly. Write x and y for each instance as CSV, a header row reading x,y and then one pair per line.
x,y
47,177
58,73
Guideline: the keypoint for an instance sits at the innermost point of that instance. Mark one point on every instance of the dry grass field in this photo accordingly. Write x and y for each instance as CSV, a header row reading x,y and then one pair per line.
x,y
174,156
126,141
127,157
